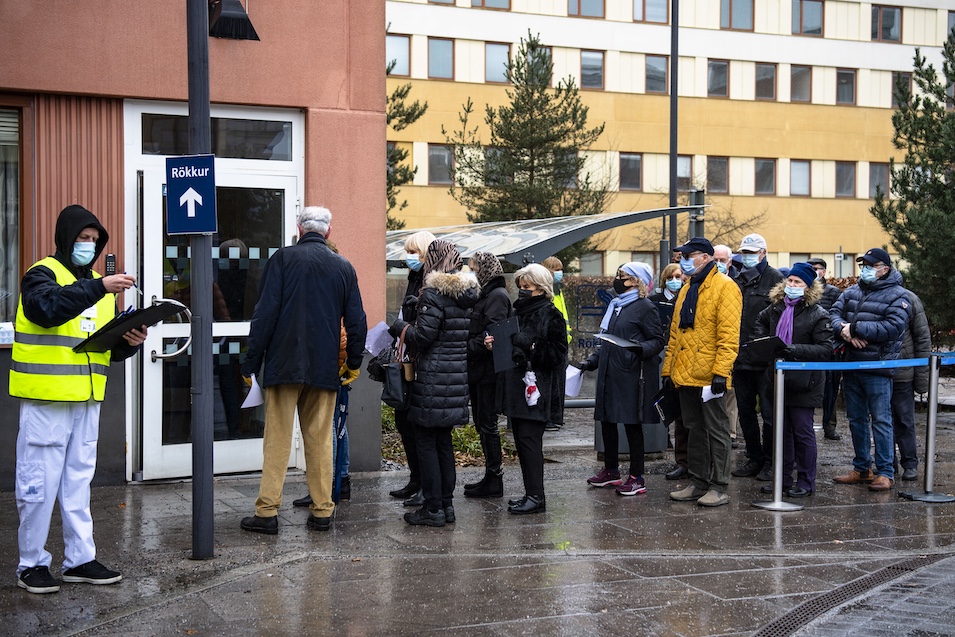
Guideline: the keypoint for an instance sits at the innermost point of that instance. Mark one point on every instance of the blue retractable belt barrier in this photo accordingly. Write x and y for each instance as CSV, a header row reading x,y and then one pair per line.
x,y
861,365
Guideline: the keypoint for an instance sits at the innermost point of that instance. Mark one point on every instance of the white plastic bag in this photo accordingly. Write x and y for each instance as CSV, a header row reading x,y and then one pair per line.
x,y
531,393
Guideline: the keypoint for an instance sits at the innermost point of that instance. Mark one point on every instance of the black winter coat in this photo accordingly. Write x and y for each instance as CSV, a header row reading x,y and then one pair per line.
x,y
541,344
755,283
664,309
438,396
812,342
916,343
307,293
830,294
618,394
493,306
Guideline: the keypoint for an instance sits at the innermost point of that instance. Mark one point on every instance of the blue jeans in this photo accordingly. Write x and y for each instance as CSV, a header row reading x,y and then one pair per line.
x,y
868,395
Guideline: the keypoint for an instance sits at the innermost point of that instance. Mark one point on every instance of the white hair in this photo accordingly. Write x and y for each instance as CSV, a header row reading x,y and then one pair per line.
x,y
314,219
537,275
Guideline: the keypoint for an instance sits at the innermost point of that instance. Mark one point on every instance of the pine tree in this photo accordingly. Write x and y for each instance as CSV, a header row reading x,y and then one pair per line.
x,y
533,166
920,217
399,115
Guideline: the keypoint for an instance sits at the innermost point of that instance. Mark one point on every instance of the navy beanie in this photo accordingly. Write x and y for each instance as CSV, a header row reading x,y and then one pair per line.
x,y
804,271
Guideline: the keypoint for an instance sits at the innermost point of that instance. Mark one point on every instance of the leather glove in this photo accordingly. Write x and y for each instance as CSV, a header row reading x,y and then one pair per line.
x,y
668,385
718,384
519,357
247,380
396,327
522,340
786,353
348,375
585,365
636,351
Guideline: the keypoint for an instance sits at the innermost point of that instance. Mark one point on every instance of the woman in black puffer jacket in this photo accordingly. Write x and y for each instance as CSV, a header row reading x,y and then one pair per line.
x,y
540,346
438,397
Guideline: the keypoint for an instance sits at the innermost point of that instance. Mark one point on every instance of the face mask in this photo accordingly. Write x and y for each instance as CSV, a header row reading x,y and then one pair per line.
x,y
620,286
558,276
414,263
721,267
83,252
795,293
867,274
686,265
674,284
525,294
750,259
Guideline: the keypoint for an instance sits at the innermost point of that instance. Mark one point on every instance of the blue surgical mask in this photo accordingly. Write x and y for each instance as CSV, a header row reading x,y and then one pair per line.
x,y
558,276
795,293
867,274
674,285
413,262
750,259
83,252
686,265
721,267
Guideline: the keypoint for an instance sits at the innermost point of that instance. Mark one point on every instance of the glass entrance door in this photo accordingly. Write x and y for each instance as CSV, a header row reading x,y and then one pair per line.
x,y
256,217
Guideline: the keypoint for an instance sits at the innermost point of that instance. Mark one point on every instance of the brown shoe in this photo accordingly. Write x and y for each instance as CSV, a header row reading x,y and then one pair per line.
x,y
855,477
881,483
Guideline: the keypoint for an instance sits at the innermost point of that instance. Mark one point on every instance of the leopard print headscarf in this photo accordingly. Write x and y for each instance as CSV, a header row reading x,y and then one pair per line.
x,y
488,267
442,257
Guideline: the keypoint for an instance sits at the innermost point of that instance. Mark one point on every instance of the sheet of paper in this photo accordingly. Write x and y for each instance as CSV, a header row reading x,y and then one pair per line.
x,y
708,394
255,397
574,379
378,338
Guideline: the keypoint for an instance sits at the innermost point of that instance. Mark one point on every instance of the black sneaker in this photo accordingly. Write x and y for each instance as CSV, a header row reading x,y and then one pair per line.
x,y
449,514
91,573
344,489
38,580
319,524
426,518
303,502
269,526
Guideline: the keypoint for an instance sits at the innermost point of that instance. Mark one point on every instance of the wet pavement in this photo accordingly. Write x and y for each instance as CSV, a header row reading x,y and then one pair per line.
x,y
594,564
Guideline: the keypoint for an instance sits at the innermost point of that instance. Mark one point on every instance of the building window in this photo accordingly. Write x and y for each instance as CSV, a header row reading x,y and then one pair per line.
x,y
539,62
736,15
586,8
497,168
807,17
631,171
800,177
398,54
801,84
845,179
717,175
440,160
492,4
592,69
441,58
765,177
651,11
496,57
845,86
886,24
684,173
232,138
9,212
766,81
878,178
717,78
657,80
566,165
905,79
441,1
592,264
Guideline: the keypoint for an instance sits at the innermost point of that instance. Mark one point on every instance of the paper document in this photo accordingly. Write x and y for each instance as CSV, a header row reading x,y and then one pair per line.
x,y
255,397
708,394
378,339
618,341
573,380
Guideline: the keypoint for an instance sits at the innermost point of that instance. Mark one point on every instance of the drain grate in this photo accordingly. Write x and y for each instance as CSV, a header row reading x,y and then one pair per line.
x,y
808,611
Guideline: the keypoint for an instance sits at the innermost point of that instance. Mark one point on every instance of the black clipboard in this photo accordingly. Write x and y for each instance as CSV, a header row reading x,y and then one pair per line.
x,y
762,350
618,341
111,334
502,332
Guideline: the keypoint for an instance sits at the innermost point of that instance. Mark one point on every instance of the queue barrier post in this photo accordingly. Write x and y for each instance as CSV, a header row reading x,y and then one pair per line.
x,y
928,495
777,503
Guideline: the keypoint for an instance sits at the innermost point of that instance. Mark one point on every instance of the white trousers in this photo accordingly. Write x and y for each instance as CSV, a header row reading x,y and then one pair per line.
x,y
56,459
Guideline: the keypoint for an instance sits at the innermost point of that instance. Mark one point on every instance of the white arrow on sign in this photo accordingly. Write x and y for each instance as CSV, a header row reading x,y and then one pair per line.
x,y
190,198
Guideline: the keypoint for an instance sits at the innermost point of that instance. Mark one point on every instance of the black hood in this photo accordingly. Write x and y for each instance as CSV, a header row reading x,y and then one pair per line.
x,y
71,221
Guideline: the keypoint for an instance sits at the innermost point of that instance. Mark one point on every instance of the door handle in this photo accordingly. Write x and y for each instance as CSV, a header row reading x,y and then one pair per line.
x,y
185,310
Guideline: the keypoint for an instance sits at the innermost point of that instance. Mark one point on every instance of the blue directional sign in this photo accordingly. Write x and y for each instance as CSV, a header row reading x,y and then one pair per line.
x,y
191,195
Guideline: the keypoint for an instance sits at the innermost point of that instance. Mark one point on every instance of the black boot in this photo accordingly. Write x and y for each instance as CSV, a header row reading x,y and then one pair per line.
x,y
416,499
344,489
471,486
830,432
529,504
406,491
303,502
492,486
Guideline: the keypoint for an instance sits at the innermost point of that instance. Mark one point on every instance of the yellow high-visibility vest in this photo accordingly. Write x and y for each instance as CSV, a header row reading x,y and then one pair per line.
x,y
44,365
560,305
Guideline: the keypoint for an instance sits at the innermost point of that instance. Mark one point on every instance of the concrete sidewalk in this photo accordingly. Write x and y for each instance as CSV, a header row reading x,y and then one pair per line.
x,y
593,564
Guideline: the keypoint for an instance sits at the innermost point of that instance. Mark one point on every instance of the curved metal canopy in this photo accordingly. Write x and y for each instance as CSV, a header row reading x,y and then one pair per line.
x,y
522,242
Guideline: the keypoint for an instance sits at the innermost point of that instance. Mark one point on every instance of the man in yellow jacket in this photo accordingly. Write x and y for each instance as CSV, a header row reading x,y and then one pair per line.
x,y
704,342
62,301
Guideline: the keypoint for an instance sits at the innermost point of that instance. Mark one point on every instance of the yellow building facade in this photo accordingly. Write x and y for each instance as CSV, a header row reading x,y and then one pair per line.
x,y
785,106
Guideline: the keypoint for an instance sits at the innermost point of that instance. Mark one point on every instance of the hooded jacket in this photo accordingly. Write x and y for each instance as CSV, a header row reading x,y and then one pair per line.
x,y
876,312
438,397
812,342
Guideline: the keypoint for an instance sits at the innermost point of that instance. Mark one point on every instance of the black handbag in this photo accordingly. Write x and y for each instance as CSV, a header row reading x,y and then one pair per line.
x,y
394,391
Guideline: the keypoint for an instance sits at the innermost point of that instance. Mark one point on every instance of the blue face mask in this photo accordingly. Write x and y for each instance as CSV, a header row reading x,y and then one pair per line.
x,y
558,276
414,263
721,267
867,274
750,259
795,293
83,252
686,265
674,285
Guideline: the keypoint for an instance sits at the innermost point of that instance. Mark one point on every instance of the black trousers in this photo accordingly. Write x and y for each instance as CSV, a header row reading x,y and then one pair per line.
x,y
751,388
833,380
903,423
485,420
436,455
612,446
529,440
407,432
